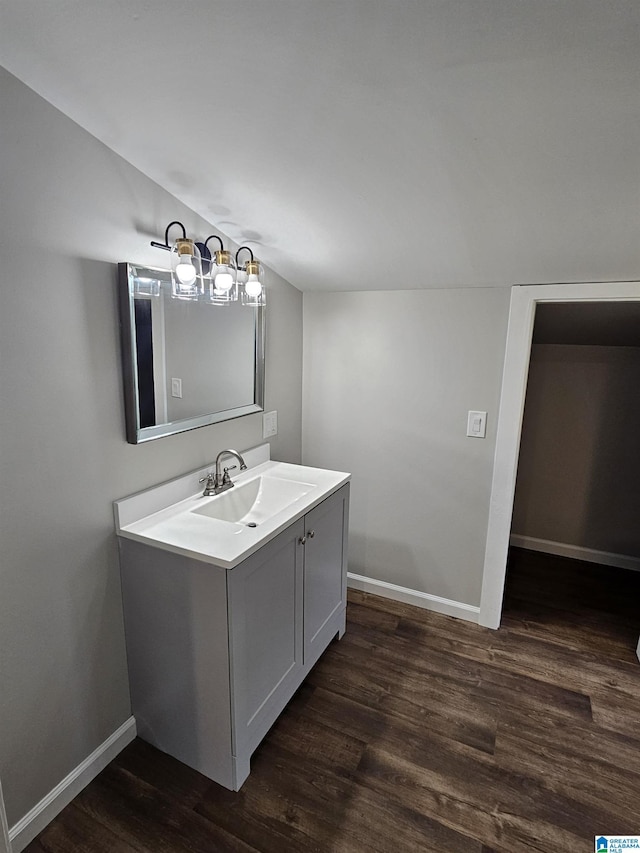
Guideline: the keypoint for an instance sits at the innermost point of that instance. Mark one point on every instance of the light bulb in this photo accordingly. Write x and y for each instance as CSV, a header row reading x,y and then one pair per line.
x,y
223,279
185,270
253,287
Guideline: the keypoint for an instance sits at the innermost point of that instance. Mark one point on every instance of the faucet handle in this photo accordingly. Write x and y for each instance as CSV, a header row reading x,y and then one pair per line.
x,y
225,477
210,485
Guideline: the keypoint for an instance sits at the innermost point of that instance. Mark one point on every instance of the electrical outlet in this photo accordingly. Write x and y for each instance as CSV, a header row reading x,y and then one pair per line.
x,y
269,424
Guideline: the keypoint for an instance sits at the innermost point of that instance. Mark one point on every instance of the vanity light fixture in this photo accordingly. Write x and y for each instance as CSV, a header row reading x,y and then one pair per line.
x,y
197,272
185,264
251,277
219,273
185,270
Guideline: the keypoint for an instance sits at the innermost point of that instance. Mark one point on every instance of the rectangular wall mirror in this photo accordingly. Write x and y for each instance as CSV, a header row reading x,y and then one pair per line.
x,y
186,363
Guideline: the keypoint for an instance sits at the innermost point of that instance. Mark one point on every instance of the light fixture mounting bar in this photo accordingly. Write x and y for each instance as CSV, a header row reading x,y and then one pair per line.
x,y
166,245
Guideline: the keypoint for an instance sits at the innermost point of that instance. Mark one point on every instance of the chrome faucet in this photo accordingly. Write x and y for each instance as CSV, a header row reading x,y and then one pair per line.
x,y
222,481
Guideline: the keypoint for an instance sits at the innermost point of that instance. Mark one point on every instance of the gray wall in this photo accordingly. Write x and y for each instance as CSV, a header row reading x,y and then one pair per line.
x,y
388,380
579,467
70,210
213,354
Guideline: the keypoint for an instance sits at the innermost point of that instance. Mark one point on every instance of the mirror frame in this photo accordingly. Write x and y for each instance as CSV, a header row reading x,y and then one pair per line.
x,y
137,434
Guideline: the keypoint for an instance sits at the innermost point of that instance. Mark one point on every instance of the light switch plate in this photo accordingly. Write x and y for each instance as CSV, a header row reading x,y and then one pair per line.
x,y
269,424
176,388
477,425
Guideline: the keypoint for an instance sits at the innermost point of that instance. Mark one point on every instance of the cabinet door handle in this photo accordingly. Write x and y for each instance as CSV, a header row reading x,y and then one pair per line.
x,y
302,540
311,534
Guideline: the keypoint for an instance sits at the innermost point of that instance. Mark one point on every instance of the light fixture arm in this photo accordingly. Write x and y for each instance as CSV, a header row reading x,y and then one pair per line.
x,y
248,250
166,245
214,237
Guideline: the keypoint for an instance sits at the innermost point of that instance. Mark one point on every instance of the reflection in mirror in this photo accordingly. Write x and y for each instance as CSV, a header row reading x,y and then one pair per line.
x,y
186,363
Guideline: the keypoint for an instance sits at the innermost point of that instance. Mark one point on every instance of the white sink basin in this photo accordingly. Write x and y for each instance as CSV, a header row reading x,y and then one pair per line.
x,y
254,502
225,529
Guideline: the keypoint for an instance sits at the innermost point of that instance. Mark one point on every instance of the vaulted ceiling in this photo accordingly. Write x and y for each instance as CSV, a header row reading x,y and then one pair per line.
x,y
367,144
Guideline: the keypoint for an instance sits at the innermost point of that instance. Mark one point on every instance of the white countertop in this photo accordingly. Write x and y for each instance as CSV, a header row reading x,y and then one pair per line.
x,y
176,527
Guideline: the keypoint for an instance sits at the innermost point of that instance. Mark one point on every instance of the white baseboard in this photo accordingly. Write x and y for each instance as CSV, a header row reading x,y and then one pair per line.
x,y
44,812
576,552
415,597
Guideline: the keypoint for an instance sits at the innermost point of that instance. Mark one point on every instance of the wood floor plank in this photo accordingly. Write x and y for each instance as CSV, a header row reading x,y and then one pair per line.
x,y
323,744
616,711
549,664
481,670
417,732
141,815
455,784
582,740
75,831
441,626
599,786
266,818
592,632
378,620
36,846
572,585
317,810
163,772
355,719
508,811
441,704
585,671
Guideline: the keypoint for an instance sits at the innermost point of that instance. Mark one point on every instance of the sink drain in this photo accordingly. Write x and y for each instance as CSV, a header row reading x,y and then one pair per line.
x,y
251,524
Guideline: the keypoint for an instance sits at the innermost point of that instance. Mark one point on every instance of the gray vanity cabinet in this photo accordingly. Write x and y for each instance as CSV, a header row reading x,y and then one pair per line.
x,y
325,576
265,635
215,654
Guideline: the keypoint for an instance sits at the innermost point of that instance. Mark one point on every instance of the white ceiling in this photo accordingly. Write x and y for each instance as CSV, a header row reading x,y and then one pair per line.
x,y
367,144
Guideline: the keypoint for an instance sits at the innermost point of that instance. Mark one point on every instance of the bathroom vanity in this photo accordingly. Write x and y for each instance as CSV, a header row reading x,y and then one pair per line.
x,y
229,601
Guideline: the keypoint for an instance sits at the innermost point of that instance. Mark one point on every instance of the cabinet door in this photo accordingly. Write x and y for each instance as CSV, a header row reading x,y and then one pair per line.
x,y
325,570
265,633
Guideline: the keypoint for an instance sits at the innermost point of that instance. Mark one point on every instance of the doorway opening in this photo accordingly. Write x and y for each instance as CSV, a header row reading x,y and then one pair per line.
x,y
575,539
524,302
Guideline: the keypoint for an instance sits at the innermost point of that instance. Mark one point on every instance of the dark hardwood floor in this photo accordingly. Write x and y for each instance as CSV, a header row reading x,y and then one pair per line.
x,y
418,732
